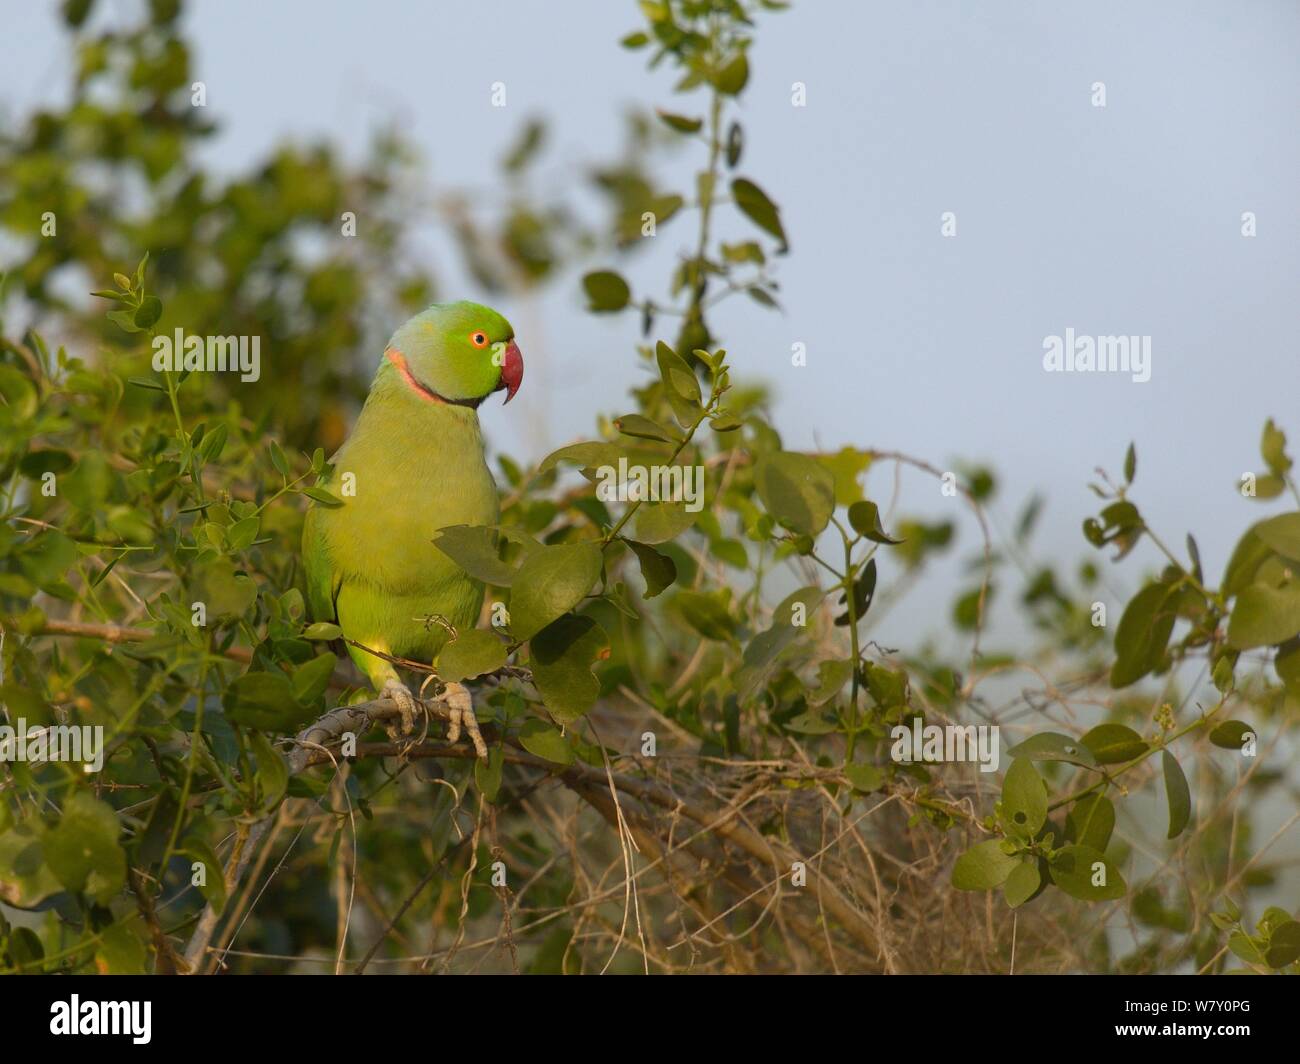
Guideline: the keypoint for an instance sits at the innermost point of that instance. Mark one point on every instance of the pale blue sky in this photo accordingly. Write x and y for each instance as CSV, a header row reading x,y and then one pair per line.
x,y
1123,219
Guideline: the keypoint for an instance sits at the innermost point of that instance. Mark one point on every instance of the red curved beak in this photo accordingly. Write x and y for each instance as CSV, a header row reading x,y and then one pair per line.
x,y
512,371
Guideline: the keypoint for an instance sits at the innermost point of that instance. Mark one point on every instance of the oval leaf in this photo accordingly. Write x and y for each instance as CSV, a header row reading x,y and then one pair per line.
x,y
1024,798
1023,883
1053,746
1085,873
1113,743
562,654
1178,793
1090,822
607,292
550,583
472,653
983,867
797,490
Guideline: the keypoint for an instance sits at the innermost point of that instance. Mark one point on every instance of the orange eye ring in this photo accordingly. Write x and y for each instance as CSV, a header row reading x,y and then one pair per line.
x,y
478,338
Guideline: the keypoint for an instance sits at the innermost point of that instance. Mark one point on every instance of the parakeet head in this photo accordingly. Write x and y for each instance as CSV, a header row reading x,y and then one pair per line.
x,y
456,353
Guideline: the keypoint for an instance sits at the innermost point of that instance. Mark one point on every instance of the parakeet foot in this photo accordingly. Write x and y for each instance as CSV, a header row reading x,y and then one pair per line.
x,y
406,706
461,705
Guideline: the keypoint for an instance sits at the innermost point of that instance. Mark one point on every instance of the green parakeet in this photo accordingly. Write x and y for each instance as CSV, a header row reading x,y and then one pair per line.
x,y
413,464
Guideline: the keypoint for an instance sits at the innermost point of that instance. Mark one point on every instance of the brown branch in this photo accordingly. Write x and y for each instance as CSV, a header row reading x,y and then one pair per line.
x,y
591,784
358,720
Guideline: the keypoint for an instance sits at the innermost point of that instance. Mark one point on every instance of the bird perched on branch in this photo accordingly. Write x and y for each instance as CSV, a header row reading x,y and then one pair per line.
x,y
413,464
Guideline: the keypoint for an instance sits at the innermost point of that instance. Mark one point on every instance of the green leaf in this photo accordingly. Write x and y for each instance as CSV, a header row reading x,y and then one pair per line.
x,y
1130,464
1024,798
707,613
676,373
732,78
796,490
311,678
146,382
17,394
1113,743
263,700
1143,633
847,466
659,522
545,741
731,551
322,496
789,611
241,534
525,147
278,460
1287,666
1244,947
213,887
966,611
47,557
588,455
120,952
749,251
832,675
83,851
760,210
735,144
272,773
1023,883
550,583
1053,746
680,122
36,464
1268,486
562,655
607,292
124,319
26,879
1178,794
983,867
760,656
658,570
487,774
225,592
864,516
322,630
865,778
1085,873
813,722
1264,616
1090,822
158,828
472,653
212,444
477,550
1250,553
1283,945
1272,448
148,313
643,428
763,650
1231,735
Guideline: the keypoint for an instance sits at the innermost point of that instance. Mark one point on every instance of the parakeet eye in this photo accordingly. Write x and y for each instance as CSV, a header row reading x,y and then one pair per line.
x,y
478,339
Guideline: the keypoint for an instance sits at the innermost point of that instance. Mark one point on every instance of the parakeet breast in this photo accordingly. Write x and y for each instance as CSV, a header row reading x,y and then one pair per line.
x,y
406,472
